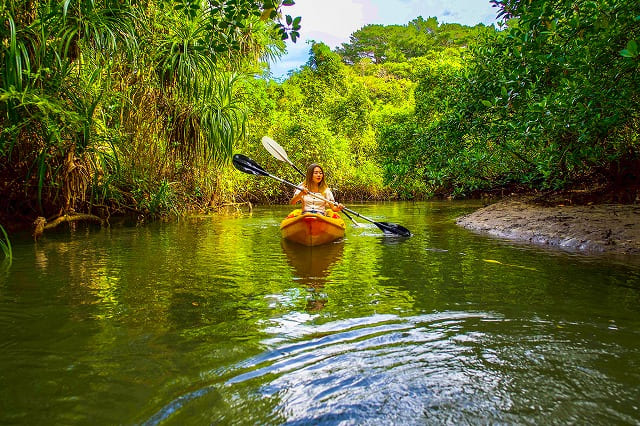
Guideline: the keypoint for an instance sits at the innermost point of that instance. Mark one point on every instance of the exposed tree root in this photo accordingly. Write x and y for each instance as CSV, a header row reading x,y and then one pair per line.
x,y
41,223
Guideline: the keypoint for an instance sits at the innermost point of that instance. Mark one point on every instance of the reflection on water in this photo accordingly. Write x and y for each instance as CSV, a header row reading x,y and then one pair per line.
x,y
311,267
446,368
217,320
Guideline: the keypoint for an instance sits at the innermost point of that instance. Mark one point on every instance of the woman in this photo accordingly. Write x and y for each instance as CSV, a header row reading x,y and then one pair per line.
x,y
314,183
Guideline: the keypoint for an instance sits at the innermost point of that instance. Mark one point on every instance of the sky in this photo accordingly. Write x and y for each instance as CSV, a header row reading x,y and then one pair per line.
x,y
333,21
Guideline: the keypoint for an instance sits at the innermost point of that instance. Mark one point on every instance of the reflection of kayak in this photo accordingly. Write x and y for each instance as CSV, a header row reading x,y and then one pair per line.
x,y
312,229
312,265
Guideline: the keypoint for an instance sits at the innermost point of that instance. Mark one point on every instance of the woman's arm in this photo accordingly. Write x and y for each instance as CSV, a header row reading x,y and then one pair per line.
x,y
297,196
332,204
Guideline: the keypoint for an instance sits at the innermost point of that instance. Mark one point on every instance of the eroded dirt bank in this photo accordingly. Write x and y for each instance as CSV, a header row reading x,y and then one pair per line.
x,y
597,228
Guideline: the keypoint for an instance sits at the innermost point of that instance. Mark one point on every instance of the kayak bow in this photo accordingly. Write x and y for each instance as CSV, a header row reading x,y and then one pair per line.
x,y
312,229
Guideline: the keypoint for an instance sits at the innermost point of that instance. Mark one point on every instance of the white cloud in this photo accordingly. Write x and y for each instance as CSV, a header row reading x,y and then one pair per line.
x,y
331,21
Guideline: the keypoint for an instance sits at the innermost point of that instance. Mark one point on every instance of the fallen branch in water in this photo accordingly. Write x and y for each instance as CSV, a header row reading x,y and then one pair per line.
x,y
237,205
41,223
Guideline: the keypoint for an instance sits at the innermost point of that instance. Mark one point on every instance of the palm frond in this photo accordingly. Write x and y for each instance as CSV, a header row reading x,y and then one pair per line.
x,y
209,128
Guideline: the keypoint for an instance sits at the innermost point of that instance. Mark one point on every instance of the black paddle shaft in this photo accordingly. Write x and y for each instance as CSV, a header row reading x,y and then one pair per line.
x,y
247,165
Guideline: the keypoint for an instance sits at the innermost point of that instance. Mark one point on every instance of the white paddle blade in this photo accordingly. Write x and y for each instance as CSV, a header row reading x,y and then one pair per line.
x,y
275,149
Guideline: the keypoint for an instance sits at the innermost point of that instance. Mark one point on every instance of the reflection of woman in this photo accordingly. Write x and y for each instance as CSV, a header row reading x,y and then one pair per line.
x,y
311,268
314,183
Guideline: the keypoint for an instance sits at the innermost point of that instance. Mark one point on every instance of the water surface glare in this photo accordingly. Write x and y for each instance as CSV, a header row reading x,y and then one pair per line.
x,y
217,320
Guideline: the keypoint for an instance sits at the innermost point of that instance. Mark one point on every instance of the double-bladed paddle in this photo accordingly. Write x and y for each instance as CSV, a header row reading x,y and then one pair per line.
x,y
280,154
247,165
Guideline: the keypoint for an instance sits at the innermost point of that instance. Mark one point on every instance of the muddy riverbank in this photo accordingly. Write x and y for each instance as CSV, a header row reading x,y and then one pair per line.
x,y
596,228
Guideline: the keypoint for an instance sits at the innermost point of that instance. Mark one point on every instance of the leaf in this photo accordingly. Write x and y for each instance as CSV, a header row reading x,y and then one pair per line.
x,y
508,264
486,103
631,51
288,2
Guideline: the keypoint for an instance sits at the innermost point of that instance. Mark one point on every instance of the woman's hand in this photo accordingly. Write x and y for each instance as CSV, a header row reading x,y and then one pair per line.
x,y
338,207
298,196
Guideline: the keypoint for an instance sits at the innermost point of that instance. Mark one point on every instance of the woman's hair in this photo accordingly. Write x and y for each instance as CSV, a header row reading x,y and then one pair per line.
x,y
322,186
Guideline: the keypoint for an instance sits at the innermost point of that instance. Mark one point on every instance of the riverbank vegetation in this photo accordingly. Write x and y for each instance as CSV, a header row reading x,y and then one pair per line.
x,y
116,107
551,100
136,107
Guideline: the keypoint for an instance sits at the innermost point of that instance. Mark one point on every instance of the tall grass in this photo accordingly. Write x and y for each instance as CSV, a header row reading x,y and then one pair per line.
x,y
5,245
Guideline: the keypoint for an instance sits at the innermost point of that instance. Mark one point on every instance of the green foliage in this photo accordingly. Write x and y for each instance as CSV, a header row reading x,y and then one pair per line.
x,y
632,50
96,97
162,200
543,103
5,245
399,43
324,113
335,114
439,78
141,104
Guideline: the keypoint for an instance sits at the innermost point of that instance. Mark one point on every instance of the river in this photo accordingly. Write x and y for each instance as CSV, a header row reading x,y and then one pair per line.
x,y
216,320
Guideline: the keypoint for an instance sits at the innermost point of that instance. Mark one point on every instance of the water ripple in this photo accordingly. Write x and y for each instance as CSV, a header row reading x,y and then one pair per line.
x,y
364,369
449,367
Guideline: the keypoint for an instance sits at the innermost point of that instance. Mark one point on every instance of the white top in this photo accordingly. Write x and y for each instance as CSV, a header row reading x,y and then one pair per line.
x,y
313,204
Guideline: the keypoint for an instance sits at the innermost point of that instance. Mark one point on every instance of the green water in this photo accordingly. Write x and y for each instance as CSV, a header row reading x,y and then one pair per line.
x,y
216,320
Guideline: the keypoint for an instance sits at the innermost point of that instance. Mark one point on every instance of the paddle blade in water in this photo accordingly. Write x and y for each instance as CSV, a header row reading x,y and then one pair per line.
x,y
393,228
247,165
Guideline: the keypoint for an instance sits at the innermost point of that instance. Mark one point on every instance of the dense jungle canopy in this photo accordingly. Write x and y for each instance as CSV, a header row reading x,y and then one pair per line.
x,y
118,106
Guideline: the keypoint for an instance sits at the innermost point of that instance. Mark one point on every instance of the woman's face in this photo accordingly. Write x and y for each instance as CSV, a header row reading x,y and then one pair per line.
x,y
318,175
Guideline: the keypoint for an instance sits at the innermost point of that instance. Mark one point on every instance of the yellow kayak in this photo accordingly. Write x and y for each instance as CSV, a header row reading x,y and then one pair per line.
x,y
312,229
